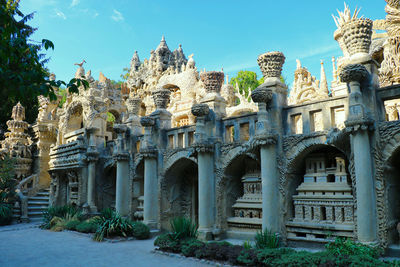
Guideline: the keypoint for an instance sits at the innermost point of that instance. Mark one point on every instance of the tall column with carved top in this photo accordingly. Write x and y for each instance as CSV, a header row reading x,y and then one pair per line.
x,y
268,127
359,123
205,159
149,152
122,184
92,156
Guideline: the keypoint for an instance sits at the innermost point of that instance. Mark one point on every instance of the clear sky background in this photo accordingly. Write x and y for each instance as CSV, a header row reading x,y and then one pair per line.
x,y
220,33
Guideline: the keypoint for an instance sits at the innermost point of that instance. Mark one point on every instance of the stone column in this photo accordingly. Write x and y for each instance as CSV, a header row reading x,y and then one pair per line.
x,y
205,161
358,124
133,121
267,97
92,156
122,184
150,203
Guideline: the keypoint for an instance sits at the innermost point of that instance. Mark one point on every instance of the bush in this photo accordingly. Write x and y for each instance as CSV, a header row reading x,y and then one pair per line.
x,y
140,230
190,246
71,225
220,251
68,212
267,256
7,189
6,213
266,239
166,243
247,257
183,228
114,226
345,246
86,227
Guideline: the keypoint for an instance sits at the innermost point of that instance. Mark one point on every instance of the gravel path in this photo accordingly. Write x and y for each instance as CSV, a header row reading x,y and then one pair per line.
x,y
26,245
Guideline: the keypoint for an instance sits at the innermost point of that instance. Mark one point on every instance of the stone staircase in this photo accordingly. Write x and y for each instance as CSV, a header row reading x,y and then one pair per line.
x,y
36,206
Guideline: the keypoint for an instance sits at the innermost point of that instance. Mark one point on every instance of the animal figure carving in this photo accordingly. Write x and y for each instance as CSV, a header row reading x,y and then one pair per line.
x,y
80,64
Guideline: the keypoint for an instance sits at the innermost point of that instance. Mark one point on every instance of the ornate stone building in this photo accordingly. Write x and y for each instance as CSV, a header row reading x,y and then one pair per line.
x,y
309,166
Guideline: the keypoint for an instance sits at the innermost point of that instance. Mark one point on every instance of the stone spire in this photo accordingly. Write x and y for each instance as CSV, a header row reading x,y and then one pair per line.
x,y
163,44
135,61
323,82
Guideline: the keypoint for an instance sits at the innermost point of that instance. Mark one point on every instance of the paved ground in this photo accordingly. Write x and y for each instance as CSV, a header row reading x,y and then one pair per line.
x,y
23,245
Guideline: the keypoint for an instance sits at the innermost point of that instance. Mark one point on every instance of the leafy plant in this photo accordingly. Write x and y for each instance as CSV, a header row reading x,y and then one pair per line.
x,y
7,189
140,230
71,225
183,228
190,246
114,226
266,239
67,213
247,244
86,227
6,213
345,246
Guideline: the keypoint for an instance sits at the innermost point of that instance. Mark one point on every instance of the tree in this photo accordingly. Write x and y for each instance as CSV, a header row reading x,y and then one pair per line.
x,y
23,72
246,80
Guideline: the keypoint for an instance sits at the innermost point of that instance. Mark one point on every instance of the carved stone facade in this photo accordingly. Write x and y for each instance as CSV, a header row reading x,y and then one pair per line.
x,y
322,163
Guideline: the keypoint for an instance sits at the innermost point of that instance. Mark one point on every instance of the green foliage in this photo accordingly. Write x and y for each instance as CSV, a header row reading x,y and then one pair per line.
x,y
183,228
71,225
266,239
166,243
190,246
87,227
67,212
7,189
247,257
247,244
110,117
247,81
23,72
140,230
345,246
266,256
114,226
125,74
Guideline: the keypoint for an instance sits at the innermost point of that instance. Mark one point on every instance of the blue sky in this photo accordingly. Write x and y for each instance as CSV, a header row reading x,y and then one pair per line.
x,y
229,34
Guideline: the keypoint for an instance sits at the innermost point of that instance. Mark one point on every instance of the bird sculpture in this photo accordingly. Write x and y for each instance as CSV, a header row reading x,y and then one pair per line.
x,y
80,64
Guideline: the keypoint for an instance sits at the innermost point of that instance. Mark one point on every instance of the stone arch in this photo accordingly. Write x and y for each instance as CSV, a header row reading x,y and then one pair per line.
x,y
229,186
138,189
113,117
172,159
325,164
179,191
388,190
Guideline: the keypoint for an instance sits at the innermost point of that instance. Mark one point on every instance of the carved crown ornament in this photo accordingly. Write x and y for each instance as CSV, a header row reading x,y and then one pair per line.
x,y
161,98
212,81
262,95
353,72
200,110
271,64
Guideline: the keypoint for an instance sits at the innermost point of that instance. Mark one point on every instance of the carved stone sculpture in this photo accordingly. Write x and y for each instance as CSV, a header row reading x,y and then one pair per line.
x,y
146,121
161,98
357,35
212,80
262,95
353,72
271,64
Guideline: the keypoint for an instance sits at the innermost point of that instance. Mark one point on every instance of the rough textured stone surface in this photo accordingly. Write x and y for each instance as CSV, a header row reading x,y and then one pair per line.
x,y
271,64
357,35
200,110
212,80
353,72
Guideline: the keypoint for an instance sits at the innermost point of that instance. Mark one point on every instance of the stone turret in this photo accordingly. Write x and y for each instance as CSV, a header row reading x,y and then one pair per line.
x,y
17,142
135,61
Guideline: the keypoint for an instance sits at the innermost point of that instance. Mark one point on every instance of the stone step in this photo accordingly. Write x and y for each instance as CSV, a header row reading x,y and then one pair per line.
x,y
38,203
41,208
43,193
35,214
38,198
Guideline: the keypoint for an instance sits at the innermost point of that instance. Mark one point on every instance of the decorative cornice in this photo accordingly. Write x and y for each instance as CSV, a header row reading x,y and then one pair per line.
x,y
121,156
203,147
359,124
149,152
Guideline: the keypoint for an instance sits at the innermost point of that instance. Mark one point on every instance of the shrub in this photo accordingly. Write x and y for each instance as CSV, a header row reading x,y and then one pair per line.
x,y
107,213
6,213
247,244
86,227
183,228
140,230
221,251
71,225
345,246
166,243
7,189
114,226
266,256
67,212
247,257
266,239
190,246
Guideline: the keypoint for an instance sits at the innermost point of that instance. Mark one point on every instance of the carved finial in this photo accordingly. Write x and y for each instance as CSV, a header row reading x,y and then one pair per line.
x,y
18,112
298,64
261,95
353,72
161,98
271,64
212,80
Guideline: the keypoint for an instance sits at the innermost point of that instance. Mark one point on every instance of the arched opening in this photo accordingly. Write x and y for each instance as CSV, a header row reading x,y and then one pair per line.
x,y
392,188
138,192
113,117
106,186
179,192
142,111
320,202
242,198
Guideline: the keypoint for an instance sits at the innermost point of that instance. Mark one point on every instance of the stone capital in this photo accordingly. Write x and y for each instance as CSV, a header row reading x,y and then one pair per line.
x,y
353,73
120,128
359,124
147,121
262,95
269,138
92,155
200,110
149,152
203,147
121,156
92,130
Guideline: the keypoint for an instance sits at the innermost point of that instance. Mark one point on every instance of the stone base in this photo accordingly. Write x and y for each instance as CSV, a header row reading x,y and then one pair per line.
x,y
23,219
151,224
242,235
393,251
205,235
154,233
87,209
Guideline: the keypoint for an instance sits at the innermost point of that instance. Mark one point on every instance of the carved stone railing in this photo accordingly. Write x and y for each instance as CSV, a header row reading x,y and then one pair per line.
x,y
25,188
